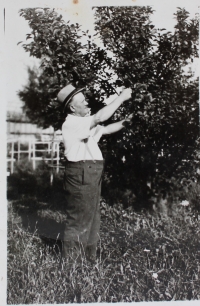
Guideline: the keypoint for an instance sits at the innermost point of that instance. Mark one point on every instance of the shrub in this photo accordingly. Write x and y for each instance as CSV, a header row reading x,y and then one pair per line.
x,y
26,181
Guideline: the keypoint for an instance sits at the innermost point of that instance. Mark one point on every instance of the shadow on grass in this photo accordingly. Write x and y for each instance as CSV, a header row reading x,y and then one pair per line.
x,y
34,203
47,218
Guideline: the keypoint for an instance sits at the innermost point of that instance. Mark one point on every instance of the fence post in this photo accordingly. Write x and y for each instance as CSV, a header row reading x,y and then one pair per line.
x,y
52,155
18,155
29,150
12,157
33,155
58,157
49,147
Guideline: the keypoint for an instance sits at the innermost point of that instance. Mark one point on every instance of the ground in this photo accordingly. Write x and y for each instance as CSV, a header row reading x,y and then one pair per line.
x,y
142,256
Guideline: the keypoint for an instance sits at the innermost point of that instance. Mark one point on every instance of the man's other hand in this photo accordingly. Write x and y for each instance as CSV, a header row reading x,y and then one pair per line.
x,y
126,94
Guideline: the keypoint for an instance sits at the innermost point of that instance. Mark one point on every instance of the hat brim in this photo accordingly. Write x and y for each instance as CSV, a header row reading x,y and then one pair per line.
x,y
70,96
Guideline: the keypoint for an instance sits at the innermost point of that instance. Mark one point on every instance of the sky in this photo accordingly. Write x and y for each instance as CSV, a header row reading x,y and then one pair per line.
x,y
16,28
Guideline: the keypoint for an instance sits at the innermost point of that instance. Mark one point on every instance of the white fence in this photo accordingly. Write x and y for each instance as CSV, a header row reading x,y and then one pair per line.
x,y
35,151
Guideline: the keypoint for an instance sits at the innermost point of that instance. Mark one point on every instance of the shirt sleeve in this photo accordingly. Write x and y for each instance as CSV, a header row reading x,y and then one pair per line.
x,y
97,132
79,127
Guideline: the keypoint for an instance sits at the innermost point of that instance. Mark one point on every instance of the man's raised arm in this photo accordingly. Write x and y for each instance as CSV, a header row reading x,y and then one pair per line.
x,y
116,126
106,112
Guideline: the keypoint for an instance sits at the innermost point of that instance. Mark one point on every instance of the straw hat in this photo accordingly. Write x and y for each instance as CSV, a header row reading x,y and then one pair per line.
x,y
67,93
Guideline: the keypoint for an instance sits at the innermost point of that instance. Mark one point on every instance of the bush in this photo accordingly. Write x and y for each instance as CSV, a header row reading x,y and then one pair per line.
x,y
26,181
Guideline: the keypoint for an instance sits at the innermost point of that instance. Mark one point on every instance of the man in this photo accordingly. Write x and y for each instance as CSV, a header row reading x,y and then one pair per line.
x,y
84,166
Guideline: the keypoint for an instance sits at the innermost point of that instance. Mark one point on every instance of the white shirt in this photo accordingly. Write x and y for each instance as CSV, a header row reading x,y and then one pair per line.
x,y
76,132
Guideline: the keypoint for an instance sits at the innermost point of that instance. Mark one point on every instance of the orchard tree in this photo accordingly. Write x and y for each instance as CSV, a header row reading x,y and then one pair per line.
x,y
64,59
153,62
164,102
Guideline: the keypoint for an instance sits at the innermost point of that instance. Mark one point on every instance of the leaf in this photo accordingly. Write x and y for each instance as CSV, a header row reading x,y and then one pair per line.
x,y
19,42
122,269
55,32
168,294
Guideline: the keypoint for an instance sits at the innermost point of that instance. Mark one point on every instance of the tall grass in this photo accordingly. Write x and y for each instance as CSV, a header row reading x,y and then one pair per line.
x,y
141,257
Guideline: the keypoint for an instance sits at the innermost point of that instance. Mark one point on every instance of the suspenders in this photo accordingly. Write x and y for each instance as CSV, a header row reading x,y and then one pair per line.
x,y
88,149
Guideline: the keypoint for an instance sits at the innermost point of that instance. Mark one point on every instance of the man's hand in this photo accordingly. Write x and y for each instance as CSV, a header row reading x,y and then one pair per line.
x,y
126,94
117,126
106,112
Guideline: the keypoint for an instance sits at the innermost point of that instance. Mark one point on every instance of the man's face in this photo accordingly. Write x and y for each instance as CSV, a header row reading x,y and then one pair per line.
x,y
79,105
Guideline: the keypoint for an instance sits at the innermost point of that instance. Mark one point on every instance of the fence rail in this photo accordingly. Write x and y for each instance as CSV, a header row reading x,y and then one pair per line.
x,y
48,151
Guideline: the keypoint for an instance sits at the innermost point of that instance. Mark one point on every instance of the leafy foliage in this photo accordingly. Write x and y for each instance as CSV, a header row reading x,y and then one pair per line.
x,y
164,100
64,59
37,96
153,62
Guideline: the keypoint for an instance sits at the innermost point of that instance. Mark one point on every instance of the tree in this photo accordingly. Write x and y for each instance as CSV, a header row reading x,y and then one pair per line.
x,y
151,61
164,100
64,59
36,96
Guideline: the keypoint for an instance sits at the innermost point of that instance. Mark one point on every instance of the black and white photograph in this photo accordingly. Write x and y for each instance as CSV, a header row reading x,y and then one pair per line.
x,y
100,175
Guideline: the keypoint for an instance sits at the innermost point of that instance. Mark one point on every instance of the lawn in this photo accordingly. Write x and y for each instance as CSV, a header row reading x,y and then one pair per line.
x,y
142,256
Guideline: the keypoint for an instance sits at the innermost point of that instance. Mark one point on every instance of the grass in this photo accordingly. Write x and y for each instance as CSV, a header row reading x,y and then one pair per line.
x,y
141,257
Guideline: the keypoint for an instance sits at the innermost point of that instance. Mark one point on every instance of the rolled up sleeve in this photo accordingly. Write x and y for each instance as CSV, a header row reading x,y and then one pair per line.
x,y
82,129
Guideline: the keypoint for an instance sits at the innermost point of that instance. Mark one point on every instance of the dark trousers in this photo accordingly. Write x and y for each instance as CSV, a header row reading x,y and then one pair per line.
x,y
82,187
